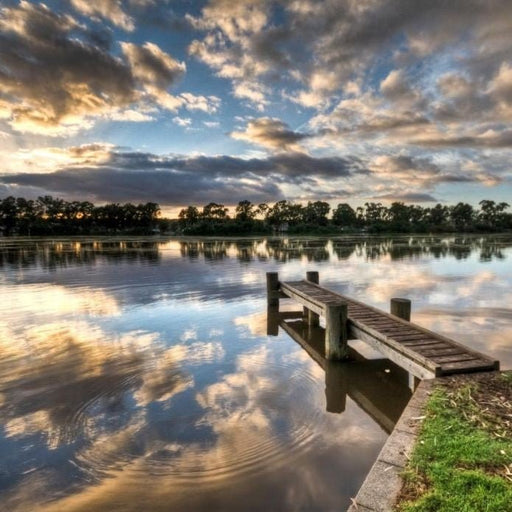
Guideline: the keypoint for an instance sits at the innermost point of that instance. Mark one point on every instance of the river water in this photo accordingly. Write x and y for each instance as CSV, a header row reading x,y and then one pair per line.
x,y
143,374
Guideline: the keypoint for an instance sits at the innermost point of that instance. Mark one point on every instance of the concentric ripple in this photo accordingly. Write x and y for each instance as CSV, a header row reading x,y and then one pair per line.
x,y
264,416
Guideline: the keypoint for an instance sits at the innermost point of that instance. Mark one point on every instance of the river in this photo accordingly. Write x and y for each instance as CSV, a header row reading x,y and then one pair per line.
x,y
140,374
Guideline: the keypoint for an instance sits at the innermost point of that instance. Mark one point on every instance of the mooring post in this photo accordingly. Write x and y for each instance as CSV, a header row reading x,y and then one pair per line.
x,y
272,289
312,319
336,331
401,308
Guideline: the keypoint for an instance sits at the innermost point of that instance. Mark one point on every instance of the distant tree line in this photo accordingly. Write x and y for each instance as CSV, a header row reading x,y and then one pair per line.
x,y
47,215
316,217
52,216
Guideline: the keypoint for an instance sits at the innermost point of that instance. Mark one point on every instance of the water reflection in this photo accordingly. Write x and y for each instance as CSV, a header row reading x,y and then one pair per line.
x,y
143,375
65,252
378,386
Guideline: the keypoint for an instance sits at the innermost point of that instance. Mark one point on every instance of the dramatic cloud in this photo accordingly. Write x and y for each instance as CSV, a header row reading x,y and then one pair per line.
x,y
418,91
271,133
109,9
102,174
51,81
409,198
57,79
152,66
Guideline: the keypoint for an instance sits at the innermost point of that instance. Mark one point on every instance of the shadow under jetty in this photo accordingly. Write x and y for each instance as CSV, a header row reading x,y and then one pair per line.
x,y
378,386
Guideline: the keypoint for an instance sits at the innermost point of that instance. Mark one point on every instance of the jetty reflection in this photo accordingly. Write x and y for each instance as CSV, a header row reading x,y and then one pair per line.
x,y
378,386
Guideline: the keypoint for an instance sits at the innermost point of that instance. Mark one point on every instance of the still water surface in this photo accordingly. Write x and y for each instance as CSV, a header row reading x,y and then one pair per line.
x,y
141,375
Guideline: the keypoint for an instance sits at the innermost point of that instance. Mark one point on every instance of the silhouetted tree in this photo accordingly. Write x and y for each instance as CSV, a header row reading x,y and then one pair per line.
x,y
189,216
344,215
491,215
245,211
462,216
316,213
214,211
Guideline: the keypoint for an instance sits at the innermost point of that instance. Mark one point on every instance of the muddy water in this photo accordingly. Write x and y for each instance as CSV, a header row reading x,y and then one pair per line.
x,y
143,375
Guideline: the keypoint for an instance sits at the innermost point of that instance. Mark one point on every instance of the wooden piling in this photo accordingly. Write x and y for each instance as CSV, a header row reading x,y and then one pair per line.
x,y
311,318
336,331
272,289
401,308
313,277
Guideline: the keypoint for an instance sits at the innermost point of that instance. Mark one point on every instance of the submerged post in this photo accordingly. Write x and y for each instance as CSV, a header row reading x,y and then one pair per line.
x,y
401,308
312,319
272,289
336,331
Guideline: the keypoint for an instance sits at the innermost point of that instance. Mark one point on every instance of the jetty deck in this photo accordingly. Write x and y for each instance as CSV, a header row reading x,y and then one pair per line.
x,y
423,353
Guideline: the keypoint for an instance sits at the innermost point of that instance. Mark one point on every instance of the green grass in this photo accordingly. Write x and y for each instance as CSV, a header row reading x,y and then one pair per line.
x,y
462,461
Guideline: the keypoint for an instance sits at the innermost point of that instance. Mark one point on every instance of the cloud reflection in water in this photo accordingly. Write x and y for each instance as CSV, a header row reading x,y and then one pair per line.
x,y
140,373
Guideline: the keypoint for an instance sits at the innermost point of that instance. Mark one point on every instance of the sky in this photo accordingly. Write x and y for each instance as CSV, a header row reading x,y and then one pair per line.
x,y
185,102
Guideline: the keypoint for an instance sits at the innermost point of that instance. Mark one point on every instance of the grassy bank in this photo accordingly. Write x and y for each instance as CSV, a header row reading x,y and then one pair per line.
x,y
462,460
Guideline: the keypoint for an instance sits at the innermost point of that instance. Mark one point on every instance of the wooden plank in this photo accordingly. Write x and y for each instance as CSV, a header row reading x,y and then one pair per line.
x,y
314,306
401,359
455,358
361,315
419,341
440,351
380,324
419,346
368,332
467,366
409,337
401,333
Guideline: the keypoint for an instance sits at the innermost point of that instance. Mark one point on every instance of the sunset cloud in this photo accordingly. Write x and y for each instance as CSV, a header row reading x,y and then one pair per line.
x,y
370,82
109,9
271,133
58,80
102,173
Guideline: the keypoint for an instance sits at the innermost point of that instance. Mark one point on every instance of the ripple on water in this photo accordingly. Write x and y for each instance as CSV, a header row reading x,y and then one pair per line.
x,y
249,422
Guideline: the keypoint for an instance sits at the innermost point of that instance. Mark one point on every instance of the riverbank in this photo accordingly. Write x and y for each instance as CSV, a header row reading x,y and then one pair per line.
x,y
451,450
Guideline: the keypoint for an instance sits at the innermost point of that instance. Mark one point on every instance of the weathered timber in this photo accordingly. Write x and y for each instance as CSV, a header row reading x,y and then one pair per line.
x,y
421,352
312,318
336,331
317,302
401,308
272,289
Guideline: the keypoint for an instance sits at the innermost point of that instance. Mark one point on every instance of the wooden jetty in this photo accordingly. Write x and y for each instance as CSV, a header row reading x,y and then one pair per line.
x,y
421,352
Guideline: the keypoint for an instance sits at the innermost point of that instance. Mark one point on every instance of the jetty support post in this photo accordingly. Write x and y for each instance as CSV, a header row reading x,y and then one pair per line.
x,y
336,347
401,308
273,289
312,319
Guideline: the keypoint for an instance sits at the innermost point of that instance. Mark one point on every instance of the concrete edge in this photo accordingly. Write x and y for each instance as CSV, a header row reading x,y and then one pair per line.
x,y
383,483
